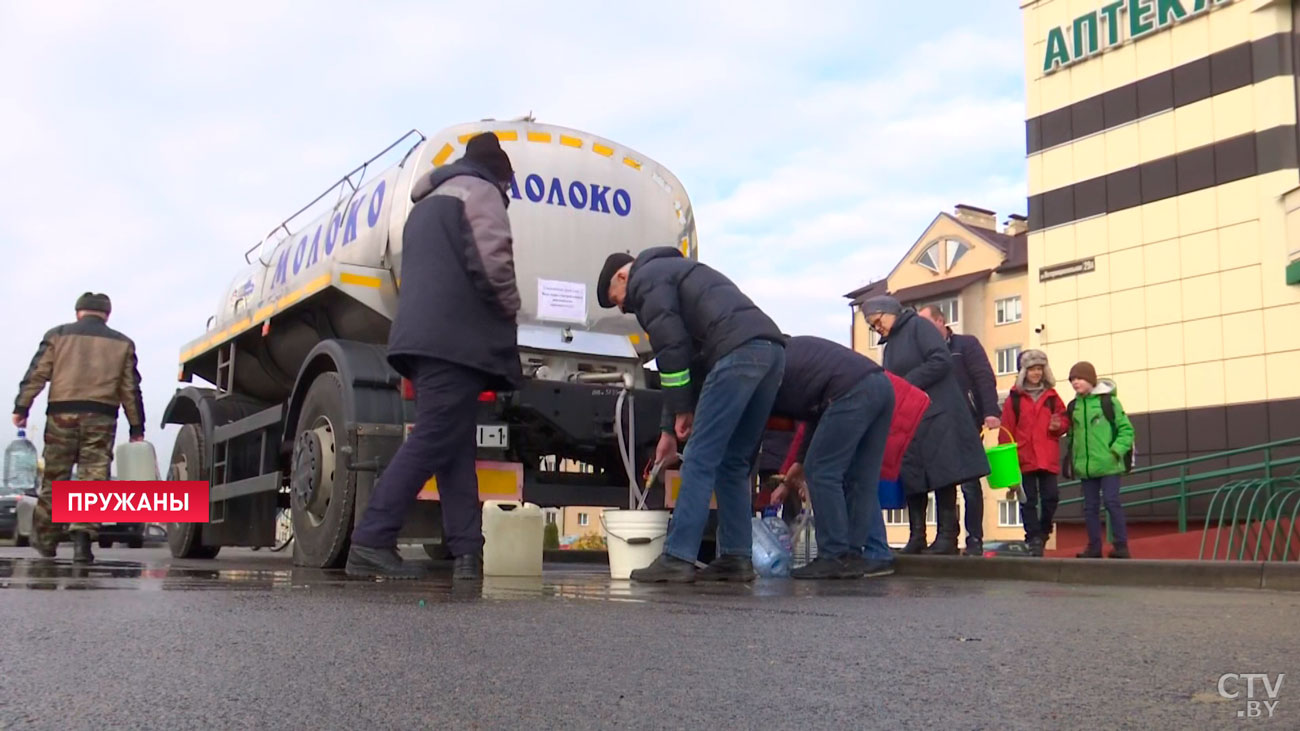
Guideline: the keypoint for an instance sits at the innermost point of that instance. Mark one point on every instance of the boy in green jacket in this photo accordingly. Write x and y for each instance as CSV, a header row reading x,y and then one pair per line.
x,y
1101,440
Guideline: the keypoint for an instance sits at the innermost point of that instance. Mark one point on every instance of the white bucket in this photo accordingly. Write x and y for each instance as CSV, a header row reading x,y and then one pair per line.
x,y
634,539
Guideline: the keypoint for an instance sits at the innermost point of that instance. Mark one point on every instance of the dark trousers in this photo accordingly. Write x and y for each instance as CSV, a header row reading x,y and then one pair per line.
x,y
441,444
1095,492
1039,508
972,494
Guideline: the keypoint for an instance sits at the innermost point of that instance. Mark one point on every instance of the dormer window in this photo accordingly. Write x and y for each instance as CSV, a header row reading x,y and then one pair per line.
x,y
930,258
947,251
955,251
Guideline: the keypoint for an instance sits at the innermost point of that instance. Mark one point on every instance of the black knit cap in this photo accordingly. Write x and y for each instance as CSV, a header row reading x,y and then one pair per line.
x,y
485,149
94,303
616,261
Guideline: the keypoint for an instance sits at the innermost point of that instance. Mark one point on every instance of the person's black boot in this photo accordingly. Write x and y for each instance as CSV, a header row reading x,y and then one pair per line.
x,y
974,547
666,570
81,548
945,540
384,563
1120,550
1036,547
467,568
915,527
1089,552
728,568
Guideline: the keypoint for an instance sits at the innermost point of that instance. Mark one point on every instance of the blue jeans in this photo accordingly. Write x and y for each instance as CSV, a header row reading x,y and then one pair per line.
x,y
730,416
843,470
1095,492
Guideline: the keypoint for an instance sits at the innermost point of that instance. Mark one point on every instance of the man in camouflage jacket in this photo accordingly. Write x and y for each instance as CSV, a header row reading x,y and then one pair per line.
x,y
91,370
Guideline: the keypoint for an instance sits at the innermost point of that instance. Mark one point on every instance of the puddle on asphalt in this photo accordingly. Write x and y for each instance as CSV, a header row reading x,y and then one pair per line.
x,y
560,582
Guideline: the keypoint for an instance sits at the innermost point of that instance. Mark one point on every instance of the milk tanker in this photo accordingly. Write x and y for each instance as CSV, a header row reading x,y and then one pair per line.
x,y
301,411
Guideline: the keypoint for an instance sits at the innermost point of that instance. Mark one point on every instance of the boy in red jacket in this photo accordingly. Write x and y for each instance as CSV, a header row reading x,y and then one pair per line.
x,y
1035,416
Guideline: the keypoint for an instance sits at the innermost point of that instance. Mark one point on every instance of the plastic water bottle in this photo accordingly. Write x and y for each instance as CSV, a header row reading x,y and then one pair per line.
x,y
779,529
771,556
20,464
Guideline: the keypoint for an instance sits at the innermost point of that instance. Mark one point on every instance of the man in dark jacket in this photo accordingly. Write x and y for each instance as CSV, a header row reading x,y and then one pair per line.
x,y
91,369
847,403
454,337
945,451
975,376
703,330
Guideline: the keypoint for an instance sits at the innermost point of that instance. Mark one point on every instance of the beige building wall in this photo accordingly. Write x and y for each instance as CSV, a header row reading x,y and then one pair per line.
x,y
1187,307
578,520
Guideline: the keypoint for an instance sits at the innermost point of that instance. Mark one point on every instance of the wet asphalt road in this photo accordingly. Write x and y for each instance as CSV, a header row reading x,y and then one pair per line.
x,y
247,641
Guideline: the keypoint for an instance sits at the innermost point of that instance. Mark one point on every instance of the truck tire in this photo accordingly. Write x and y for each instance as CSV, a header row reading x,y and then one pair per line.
x,y
135,543
105,543
184,540
322,490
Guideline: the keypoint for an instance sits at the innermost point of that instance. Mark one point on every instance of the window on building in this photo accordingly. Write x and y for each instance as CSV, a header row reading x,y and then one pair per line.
x,y
930,257
1007,358
550,518
956,249
1009,514
582,518
950,308
896,517
1007,310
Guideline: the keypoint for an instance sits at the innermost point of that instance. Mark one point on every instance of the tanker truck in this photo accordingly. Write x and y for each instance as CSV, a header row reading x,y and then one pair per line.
x,y
291,408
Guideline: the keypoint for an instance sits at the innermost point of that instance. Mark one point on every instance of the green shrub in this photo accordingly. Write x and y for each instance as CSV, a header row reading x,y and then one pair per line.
x,y
551,538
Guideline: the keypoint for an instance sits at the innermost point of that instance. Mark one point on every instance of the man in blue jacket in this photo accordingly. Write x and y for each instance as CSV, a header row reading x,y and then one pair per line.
x,y
980,386
720,362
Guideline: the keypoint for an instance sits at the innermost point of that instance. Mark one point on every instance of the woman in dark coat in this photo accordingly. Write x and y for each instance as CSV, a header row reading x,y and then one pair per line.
x,y
945,452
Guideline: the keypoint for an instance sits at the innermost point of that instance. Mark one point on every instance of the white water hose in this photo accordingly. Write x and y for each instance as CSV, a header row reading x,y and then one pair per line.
x,y
636,496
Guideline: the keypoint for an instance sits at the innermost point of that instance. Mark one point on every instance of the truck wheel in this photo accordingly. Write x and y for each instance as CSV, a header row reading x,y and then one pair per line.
x,y
323,491
184,539
135,543
20,541
105,543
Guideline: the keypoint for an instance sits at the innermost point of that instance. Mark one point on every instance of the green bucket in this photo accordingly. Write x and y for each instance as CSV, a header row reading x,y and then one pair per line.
x,y
1004,465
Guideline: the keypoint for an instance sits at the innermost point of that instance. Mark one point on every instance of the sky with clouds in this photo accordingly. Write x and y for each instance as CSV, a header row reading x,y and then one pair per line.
x,y
146,145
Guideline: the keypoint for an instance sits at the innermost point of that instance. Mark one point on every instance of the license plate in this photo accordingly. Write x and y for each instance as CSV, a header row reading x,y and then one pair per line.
x,y
491,436
495,436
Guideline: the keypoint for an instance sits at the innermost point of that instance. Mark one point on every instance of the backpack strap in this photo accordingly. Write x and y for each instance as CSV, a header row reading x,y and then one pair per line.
x,y
1014,397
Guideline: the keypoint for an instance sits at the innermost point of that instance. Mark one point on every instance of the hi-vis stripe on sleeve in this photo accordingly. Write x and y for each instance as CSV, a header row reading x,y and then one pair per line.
x,y
675,380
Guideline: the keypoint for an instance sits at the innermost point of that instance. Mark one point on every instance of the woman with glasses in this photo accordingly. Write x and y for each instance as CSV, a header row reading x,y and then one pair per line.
x,y
945,451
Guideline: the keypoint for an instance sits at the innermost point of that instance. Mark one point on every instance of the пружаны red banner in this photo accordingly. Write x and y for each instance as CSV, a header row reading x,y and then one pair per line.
x,y
87,501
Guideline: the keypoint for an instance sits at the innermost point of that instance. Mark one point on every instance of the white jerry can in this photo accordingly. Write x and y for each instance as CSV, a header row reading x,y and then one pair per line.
x,y
137,461
512,538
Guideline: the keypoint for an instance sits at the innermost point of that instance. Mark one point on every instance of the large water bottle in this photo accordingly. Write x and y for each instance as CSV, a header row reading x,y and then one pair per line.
x,y
771,557
20,464
780,530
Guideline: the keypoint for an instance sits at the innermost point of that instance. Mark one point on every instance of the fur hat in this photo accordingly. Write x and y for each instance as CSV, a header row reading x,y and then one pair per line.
x,y
1029,359
92,302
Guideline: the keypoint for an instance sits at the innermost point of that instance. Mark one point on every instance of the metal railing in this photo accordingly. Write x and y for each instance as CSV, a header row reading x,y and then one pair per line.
x,y
1182,489
1260,519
